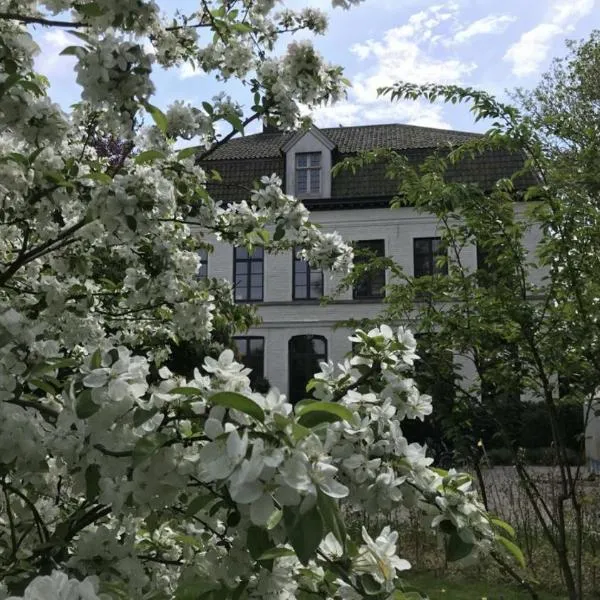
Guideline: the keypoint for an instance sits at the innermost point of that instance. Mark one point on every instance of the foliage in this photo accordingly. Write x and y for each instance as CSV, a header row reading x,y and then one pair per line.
x,y
519,304
120,478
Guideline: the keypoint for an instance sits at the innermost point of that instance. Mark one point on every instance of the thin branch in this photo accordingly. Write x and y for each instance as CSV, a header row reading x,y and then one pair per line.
x,y
11,521
9,16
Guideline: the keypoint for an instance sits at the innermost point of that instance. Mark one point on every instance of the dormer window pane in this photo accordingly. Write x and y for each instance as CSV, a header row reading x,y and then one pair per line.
x,y
308,173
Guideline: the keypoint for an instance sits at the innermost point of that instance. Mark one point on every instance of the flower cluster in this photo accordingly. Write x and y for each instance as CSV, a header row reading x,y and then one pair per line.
x,y
123,476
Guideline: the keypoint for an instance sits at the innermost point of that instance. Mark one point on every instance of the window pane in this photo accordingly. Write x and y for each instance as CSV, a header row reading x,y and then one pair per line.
x,y
300,266
302,160
256,346
241,267
256,293
316,284
371,284
241,253
241,293
315,181
301,181
315,159
258,254
422,246
304,354
256,280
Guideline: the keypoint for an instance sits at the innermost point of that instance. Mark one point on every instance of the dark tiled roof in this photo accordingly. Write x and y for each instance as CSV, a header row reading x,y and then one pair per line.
x,y
348,140
242,161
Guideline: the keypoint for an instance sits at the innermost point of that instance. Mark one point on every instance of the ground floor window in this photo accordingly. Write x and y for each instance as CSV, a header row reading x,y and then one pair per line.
x,y
305,352
251,353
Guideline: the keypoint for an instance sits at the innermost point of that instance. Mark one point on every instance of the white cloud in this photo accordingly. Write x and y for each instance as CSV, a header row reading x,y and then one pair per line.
x,y
533,47
492,24
407,53
49,61
186,71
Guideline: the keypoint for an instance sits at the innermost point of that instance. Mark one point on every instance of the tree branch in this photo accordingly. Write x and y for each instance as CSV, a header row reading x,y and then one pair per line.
x,y
9,16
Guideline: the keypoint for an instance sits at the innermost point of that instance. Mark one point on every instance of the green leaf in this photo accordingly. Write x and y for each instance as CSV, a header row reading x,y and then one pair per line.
x,y
84,406
148,156
96,360
158,116
208,108
258,541
140,416
44,386
92,482
456,547
370,585
304,531
187,152
276,553
131,222
279,233
322,412
235,121
73,51
513,549
99,177
147,446
186,391
197,504
332,519
90,9
502,525
274,519
238,402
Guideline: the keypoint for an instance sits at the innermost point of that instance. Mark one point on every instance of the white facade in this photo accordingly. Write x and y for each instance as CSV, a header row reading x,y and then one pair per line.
x,y
282,317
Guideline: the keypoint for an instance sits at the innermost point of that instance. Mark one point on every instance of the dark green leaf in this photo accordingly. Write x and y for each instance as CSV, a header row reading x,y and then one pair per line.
x,y
92,482
198,503
238,402
258,541
140,416
457,548
44,385
90,9
304,531
208,108
131,222
279,233
314,413
332,519
84,406
99,177
369,585
147,446
276,553
96,360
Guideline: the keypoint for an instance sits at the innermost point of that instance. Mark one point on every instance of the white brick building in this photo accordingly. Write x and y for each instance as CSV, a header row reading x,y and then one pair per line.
x,y
356,206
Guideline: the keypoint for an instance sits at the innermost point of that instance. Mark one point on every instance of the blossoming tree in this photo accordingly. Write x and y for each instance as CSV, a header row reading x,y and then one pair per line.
x,y
120,478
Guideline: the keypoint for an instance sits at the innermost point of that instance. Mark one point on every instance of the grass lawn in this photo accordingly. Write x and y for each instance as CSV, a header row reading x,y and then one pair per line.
x,y
440,588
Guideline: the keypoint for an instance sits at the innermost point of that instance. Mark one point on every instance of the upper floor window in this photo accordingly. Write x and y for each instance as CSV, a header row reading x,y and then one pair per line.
x,y
305,352
251,351
372,282
308,173
202,263
248,275
426,253
308,281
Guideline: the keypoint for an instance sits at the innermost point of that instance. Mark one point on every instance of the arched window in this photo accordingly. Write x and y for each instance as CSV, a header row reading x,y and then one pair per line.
x,y
305,352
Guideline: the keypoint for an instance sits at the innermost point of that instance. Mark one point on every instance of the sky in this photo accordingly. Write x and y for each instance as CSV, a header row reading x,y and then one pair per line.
x,y
491,45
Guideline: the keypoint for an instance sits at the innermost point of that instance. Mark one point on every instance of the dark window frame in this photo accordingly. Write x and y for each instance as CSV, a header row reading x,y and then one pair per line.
x,y
370,279
300,362
431,255
202,264
309,169
307,282
256,374
248,261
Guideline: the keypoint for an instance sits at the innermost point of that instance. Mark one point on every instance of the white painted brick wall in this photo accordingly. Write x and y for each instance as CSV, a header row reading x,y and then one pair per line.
x,y
282,318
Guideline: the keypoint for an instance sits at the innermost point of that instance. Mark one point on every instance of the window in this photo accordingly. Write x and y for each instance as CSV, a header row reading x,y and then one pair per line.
x,y
308,282
426,251
482,259
372,282
308,173
251,353
202,263
305,352
248,274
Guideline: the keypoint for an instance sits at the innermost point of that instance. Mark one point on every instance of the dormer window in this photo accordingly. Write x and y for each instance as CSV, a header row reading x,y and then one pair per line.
x,y
308,173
